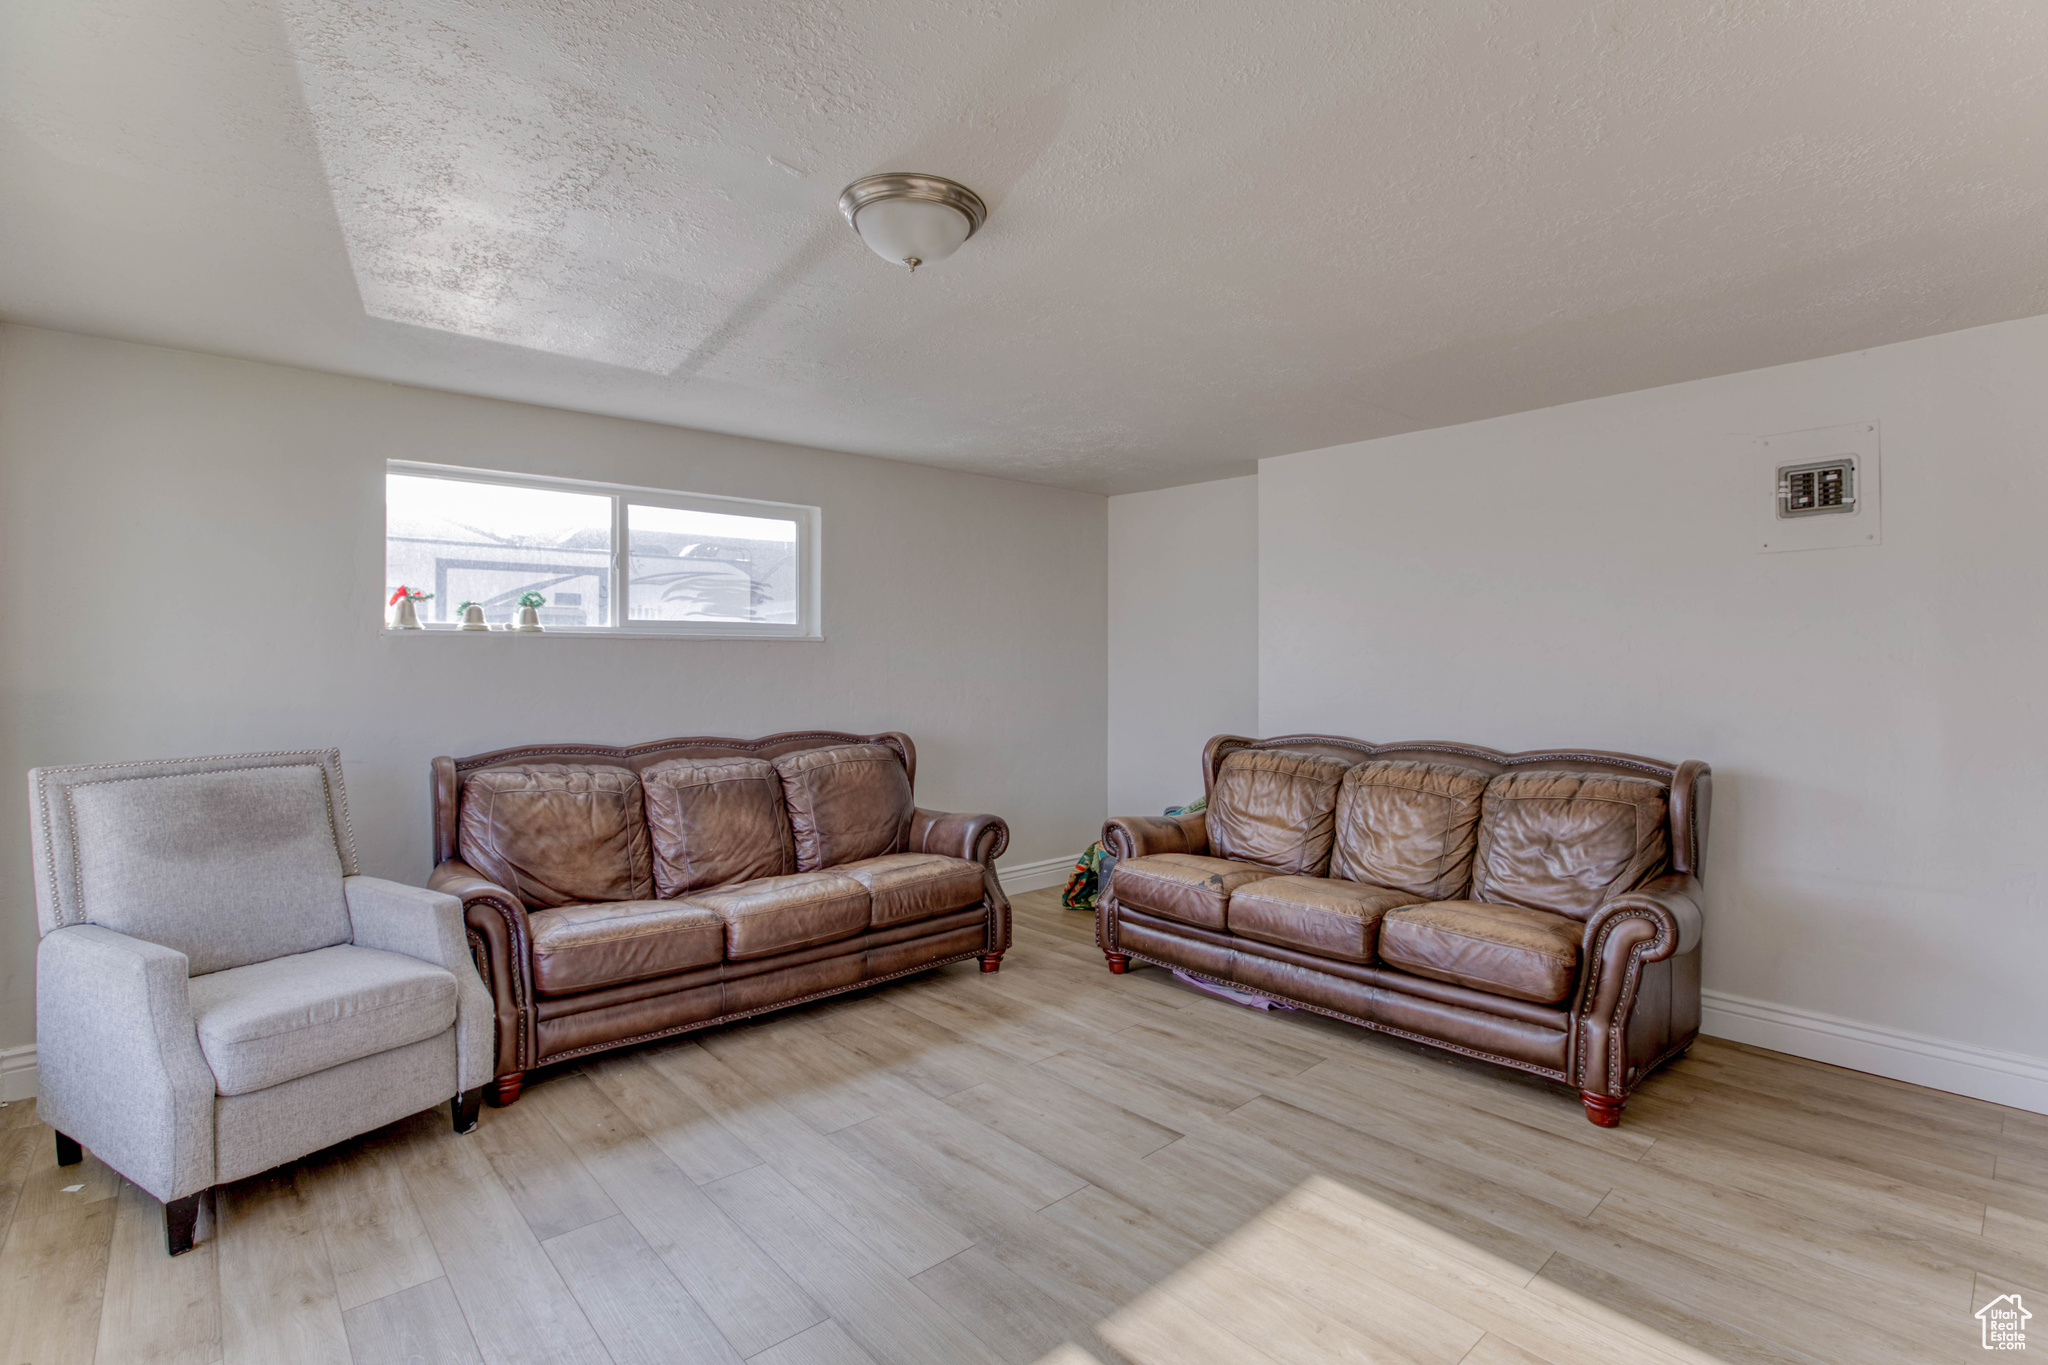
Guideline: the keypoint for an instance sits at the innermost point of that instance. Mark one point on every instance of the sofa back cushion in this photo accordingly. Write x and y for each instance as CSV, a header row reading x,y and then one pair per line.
x,y
1409,826
1276,809
558,833
229,868
1565,842
715,820
845,803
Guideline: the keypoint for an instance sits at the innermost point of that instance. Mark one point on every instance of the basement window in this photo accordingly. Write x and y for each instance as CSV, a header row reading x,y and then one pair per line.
x,y
690,564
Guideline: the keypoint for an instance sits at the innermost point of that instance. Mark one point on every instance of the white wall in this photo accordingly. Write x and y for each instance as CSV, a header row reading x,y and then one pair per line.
x,y
192,550
1183,636
1875,716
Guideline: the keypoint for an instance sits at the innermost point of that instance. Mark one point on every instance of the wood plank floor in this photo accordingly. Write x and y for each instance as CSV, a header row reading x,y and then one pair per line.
x,y
1055,1165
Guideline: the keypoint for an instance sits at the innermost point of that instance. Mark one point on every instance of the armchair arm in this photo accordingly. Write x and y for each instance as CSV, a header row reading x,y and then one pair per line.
x,y
496,923
1652,922
428,925
978,839
118,1065
1136,836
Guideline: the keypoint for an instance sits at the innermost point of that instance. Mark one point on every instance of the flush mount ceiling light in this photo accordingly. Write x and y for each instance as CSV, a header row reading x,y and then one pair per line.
x,y
910,219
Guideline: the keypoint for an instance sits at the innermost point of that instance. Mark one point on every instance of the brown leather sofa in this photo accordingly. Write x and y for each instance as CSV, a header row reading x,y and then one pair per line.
x,y
616,895
1538,910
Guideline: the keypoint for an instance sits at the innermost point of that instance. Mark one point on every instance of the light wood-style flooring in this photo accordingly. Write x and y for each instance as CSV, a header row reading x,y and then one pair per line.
x,y
1058,1165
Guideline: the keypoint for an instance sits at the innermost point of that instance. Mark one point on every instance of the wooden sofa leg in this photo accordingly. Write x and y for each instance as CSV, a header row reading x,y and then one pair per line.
x,y
69,1153
504,1090
464,1108
991,962
1118,962
181,1219
1604,1110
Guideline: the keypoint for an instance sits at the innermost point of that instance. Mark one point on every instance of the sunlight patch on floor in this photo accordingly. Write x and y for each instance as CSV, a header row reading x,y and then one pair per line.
x,y
1330,1274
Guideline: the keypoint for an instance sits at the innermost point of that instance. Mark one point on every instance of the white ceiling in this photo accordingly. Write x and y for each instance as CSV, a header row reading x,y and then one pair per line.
x,y
1218,230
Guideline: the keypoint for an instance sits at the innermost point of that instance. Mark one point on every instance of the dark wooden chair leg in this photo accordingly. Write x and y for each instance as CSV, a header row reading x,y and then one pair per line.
x,y
991,962
1604,1110
464,1109
504,1090
181,1219
69,1153
1118,962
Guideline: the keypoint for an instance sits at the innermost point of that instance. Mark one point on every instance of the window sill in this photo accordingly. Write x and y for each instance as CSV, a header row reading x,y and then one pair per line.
x,y
590,633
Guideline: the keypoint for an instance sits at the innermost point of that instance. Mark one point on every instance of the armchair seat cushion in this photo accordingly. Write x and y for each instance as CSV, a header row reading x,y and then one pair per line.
x,y
274,1021
780,914
1322,915
1504,949
913,886
582,947
1185,886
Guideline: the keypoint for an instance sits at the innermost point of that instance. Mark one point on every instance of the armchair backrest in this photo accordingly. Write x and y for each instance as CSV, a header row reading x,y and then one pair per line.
x,y
229,860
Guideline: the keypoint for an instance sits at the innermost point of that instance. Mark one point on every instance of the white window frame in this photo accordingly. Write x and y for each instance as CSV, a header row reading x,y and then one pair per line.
x,y
808,624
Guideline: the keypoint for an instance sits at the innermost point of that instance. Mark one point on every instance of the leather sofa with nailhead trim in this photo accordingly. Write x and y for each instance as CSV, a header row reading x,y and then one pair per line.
x,y
1538,910
618,895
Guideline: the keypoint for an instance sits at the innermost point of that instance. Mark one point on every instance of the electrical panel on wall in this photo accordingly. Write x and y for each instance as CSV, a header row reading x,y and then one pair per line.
x,y
1816,490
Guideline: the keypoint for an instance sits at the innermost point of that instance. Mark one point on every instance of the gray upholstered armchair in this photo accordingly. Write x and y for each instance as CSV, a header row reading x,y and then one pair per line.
x,y
217,991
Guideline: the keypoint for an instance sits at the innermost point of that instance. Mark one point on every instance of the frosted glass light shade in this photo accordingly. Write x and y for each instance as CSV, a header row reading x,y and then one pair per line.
x,y
904,230
910,219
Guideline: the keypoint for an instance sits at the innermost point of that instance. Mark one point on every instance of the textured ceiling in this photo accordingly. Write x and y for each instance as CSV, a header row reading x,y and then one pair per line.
x,y
1218,230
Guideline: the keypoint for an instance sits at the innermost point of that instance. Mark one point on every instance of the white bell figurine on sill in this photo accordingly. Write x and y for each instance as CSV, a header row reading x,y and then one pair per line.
x,y
473,617
405,616
529,621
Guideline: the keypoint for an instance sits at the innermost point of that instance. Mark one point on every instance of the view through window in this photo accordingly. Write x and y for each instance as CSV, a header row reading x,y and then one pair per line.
x,y
690,564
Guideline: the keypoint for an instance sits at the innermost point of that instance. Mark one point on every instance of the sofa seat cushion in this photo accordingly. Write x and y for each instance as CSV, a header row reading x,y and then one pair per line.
x,y
715,820
275,1021
1567,842
1412,826
582,947
1321,915
780,914
1183,886
912,886
1505,949
1275,808
845,803
557,833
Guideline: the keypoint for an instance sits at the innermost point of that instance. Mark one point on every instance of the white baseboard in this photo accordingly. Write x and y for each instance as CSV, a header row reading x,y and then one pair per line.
x,y
1939,1063
1018,878
17,1073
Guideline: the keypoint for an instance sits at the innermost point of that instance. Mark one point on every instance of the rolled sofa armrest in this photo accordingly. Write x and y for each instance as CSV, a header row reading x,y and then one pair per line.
x,y
1671,902
499,937
1656,920
118,1065
1138,836
977,838
429,925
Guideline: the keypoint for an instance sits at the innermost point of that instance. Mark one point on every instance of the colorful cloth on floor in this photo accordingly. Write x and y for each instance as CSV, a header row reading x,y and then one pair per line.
x,y
1081,887
1084,888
